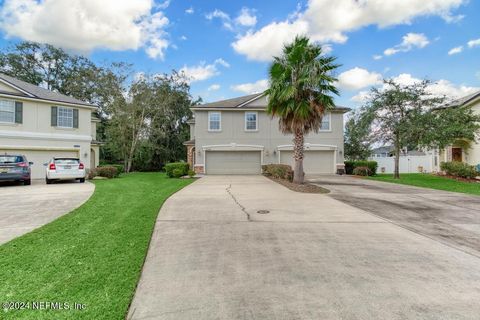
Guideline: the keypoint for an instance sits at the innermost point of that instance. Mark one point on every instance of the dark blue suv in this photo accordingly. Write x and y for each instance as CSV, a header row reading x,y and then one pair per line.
x,y
15,168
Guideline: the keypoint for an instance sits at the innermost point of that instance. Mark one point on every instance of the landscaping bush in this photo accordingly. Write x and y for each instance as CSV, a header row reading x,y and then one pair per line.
x,y
183,168
459,169
177,173
362,171
120,167
191,173
104,171
351,165
278,171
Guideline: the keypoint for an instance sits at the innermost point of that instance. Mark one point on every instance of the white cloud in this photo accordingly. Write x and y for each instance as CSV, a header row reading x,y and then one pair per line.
x,y
88,24
409,42
324,22
246,17
358,78
190,10
224,17
183,38
473,43
214,87
203,71
361,97
163,5
455,50
252,87
377,57
327,48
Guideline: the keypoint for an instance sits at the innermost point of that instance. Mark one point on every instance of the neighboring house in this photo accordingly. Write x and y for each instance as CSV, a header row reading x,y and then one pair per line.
x,y
237,136
412,161
42,124
457,152
389,151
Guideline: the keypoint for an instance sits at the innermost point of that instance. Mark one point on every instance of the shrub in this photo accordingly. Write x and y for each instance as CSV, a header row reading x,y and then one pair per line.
x,y
183,167
104,171
120,167
351,165
459,169
362,171
191,173
278,171
177,173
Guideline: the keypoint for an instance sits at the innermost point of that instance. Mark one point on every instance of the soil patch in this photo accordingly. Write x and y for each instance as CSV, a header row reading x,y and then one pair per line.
x,y
304,188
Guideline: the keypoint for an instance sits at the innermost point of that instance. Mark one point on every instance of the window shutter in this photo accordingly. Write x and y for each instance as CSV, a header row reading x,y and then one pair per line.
x,y
75,118
18,112
54,116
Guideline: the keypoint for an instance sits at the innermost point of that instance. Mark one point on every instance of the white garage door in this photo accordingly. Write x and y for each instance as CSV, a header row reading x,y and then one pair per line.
x,y
39,157
314,162
233,162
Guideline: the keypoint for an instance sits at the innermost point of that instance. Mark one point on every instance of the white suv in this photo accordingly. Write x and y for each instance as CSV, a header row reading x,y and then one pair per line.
x,y
65,169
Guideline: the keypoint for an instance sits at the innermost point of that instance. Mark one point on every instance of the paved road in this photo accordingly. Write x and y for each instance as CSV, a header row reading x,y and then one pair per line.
x,y
212,256
449,217
25,208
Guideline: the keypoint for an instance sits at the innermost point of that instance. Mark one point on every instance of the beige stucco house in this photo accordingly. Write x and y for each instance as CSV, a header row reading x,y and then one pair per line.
x,y
236,136
458,152
42,124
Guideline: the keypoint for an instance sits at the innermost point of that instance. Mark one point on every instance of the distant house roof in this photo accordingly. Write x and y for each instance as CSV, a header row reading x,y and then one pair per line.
x,y
382,150
464,100
32,91
243,103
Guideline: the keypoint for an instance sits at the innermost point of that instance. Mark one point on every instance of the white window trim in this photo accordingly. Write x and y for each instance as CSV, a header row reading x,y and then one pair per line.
x,y
220,120
58,117
256,121
329,114
14,113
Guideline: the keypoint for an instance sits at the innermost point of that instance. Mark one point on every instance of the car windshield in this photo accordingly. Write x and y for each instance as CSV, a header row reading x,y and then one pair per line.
x,y
66,161
11,159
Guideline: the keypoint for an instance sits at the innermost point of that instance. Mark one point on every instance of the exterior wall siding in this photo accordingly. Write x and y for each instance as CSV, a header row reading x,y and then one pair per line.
x,y
268,135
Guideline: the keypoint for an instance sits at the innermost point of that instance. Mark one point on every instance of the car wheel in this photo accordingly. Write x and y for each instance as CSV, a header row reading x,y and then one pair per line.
x,y
82,180
48,181
27,182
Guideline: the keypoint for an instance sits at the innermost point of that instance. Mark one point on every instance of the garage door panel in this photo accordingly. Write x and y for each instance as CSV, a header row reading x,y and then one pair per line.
x,y
233,162
314,162
39,157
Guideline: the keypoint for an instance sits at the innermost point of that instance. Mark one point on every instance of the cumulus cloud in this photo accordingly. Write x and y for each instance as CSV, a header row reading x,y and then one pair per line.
x,y
88,24
409,42
377,57
324,22
251,87
455,50
203,71
358,78
473,43
246,17
214,87
224,17
190,10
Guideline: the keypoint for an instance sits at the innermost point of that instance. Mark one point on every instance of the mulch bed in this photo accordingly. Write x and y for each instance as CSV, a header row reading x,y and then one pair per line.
x,y
304,188
459,178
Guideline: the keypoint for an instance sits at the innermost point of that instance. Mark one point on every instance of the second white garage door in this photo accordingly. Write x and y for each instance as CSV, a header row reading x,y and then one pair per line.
x,y
315,162
39,157
233,162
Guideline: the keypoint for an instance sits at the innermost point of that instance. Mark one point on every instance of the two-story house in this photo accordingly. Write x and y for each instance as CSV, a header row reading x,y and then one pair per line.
x,y
42,124
237,136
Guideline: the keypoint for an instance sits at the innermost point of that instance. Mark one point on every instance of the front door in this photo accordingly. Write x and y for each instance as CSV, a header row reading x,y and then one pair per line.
x,y
457,154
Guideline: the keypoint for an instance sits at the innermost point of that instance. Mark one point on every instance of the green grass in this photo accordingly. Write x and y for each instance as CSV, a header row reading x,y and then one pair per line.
x,y
91,256
431,181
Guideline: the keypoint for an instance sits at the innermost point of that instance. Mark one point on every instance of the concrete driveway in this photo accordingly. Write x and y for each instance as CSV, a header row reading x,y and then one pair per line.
x,y
449,217
212,256
25,208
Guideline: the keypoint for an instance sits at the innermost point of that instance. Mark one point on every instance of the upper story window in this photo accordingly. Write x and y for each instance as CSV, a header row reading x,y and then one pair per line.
x,y
251,121
65,117
326,122
7,111
214,121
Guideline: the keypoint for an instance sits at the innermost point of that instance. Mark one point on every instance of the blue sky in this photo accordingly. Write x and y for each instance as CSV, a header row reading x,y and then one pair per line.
x,y
225,46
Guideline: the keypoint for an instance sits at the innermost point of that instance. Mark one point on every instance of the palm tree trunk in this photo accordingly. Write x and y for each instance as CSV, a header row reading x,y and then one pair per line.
x,y
396,173
298,174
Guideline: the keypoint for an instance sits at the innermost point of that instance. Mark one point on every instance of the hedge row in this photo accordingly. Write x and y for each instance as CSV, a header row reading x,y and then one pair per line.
x,y
459,169
177,169
104,171
351,165
279,171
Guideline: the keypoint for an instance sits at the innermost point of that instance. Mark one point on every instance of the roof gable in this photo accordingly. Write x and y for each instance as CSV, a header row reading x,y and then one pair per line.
x,y
6,87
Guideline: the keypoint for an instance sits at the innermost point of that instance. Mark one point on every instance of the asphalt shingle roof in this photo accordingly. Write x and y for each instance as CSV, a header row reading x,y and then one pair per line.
x,y
464,100
41,93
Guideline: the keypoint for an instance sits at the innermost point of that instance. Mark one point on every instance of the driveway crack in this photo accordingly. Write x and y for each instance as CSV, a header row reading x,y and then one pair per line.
x,y
229,191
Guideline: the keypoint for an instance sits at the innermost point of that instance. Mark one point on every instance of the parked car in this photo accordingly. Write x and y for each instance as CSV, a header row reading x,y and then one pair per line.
x,y
15,168
65,169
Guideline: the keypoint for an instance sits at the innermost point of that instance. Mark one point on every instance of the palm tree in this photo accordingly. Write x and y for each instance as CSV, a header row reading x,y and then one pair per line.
x,y
301,91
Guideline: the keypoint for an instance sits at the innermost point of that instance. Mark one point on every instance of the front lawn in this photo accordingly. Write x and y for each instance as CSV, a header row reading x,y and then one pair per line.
x,y
92,256
431,181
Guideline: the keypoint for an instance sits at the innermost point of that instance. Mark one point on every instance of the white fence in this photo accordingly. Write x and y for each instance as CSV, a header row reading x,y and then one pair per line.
x,y
408,164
